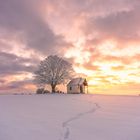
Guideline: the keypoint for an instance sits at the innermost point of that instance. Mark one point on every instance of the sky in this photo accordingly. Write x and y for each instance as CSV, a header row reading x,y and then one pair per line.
x,y
101,38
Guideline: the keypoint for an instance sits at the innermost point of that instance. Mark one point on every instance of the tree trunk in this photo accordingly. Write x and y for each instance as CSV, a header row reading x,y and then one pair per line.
x,y
53,88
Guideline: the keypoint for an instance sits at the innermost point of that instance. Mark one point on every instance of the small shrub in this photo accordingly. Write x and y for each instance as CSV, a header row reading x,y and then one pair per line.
x,y
40,91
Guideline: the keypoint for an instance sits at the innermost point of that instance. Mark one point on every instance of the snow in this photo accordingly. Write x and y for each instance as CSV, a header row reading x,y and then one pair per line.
x,y
69,117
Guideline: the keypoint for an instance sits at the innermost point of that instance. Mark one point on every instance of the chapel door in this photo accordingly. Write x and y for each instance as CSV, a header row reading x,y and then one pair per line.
x,y
81,89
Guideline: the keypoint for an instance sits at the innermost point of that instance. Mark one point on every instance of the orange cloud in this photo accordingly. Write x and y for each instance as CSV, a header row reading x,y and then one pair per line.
x,y
118,68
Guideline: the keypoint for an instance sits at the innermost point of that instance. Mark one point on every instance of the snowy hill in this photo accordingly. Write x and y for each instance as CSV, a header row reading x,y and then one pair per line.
x,y
69,117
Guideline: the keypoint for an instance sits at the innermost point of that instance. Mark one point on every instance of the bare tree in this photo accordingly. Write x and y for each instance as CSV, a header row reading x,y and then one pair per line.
x,y
53,71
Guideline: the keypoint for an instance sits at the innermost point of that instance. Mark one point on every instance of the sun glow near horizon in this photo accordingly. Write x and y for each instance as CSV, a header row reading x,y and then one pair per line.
x,y
109,70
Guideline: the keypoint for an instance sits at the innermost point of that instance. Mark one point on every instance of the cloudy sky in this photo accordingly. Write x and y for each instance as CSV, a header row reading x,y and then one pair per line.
x,y
100,37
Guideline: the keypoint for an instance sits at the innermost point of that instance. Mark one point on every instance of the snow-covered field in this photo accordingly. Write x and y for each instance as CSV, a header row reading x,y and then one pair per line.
x,y
69,117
